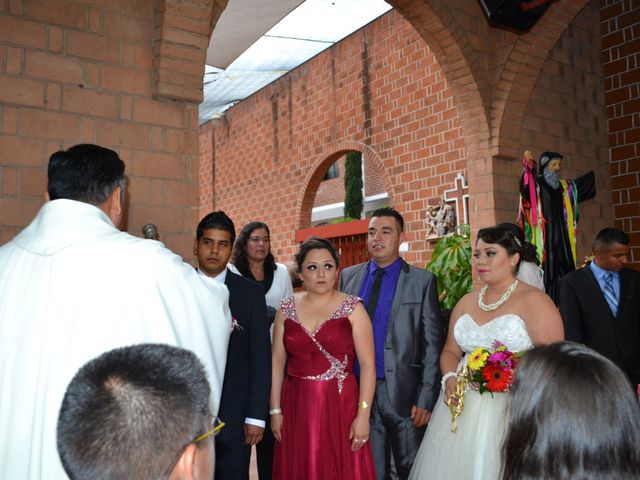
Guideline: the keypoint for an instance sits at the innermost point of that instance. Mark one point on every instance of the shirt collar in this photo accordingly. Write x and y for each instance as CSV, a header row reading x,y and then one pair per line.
x,y
390,269
600,272
221,277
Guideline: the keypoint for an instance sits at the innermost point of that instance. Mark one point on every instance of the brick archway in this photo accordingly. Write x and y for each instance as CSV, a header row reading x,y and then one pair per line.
x,y
304,204
462,67
483,114
449,43
520,73
492,106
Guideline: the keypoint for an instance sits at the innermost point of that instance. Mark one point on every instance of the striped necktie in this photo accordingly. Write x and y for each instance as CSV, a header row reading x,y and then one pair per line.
x,y
610,293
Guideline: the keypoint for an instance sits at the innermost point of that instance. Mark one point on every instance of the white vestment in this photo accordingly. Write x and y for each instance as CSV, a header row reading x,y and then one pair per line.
x,y
72,286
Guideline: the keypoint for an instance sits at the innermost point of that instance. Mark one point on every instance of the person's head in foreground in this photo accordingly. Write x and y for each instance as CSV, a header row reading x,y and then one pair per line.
x,y
91,174
572,416
138,412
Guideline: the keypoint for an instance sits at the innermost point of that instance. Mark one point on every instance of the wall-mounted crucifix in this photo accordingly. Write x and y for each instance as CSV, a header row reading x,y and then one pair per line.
x,y
459,196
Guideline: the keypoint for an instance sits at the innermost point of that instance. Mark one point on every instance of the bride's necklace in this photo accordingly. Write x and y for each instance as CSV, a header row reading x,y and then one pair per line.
x,y
503,298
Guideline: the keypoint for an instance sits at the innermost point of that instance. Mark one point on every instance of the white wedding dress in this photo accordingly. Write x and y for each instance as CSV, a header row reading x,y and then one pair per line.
x,y
473,452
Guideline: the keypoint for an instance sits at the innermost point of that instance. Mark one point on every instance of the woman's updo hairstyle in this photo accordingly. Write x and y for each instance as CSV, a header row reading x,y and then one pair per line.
x,y
529,252
509,236
315,243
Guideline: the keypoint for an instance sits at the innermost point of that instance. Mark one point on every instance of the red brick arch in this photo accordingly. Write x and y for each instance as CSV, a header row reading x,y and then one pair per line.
x,y
520,73
449,43
490,75
463,67
317,170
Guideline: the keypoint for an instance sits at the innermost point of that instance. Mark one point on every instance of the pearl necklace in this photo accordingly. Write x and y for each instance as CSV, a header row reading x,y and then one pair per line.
x,y
503,298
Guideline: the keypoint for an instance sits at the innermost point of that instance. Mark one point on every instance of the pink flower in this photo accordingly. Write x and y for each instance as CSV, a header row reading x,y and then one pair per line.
x,y
499,357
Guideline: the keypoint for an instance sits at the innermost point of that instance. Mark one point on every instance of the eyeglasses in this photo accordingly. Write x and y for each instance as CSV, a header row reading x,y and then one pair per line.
x,y
216,426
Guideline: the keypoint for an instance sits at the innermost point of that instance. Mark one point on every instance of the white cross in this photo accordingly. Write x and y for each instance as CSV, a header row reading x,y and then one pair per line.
x,y
459,195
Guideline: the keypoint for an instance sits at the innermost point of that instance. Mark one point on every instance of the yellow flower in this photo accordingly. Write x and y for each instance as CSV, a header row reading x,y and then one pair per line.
x,y
477,358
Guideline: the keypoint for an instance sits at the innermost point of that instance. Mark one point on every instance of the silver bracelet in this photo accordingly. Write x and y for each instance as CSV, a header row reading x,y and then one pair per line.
x,y
275,411
446,377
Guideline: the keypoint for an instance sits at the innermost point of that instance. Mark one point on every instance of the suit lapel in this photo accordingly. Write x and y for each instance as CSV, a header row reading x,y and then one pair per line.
x,y
624,291
592,285
398,296
355,283
231,284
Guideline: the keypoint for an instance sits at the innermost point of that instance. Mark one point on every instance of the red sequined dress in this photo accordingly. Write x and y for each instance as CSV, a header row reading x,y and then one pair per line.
x,y
319,401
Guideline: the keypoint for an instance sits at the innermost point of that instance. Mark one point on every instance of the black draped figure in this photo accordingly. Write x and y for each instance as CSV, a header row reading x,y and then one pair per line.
x,y
549,215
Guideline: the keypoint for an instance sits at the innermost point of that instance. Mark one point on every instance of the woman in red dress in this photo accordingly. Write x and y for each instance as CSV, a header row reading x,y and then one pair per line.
x,y
319,414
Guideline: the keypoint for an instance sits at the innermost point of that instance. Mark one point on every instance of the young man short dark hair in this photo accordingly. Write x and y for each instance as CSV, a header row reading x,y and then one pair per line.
x,y
247,380
402,301
137,412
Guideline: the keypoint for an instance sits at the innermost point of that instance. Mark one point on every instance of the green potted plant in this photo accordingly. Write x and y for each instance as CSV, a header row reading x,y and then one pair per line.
x,y
451,264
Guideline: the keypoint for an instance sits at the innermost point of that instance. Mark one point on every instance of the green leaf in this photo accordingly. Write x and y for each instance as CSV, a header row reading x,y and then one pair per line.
x,y
451,264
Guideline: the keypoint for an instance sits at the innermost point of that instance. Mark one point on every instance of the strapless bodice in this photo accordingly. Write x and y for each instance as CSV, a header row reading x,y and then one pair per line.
x,y
508,329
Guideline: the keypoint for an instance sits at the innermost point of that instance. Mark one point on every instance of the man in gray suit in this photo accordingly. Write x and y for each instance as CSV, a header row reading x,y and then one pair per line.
x,y
402,302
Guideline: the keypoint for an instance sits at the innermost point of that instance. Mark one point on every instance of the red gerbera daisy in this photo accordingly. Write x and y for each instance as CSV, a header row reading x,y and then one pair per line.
x,y
498,380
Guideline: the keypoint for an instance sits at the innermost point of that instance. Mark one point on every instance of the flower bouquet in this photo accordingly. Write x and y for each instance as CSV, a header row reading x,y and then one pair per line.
x,y
486,371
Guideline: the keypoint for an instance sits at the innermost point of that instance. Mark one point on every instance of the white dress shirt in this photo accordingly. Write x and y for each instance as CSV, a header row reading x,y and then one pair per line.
x,y
222,277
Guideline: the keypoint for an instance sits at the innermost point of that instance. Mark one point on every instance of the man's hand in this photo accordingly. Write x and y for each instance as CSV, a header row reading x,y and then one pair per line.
x,y
420,416
252,434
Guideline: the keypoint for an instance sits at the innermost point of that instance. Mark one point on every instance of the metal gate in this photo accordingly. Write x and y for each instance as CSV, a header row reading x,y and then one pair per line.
x,y
350,239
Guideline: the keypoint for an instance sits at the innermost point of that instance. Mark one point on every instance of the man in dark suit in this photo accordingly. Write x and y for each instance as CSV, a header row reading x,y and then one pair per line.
x,y
247,379
600,303
402,302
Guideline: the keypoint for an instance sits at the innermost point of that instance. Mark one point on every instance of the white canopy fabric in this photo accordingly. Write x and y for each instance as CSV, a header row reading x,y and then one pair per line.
x,y
308,30
241,24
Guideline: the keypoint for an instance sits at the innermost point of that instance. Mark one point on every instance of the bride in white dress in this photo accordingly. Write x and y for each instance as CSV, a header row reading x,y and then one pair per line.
x,y
514,313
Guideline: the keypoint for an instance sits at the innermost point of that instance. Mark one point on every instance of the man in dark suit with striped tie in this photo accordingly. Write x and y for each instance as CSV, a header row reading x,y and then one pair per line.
x,y
600,303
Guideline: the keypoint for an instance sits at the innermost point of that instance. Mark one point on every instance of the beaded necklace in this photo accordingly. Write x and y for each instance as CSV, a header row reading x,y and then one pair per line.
x,y
503,298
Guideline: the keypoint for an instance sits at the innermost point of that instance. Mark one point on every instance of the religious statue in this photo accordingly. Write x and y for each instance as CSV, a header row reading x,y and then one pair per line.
x,y
440,220
548,214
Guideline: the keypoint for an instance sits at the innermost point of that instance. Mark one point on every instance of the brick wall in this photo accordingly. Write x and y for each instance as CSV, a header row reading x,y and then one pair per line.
x,y
566,114
621,65
381,92
128,74
107,73
207,202
332,191
401,104
374,179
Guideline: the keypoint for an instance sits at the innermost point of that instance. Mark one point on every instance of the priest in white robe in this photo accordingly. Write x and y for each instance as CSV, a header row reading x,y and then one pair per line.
x,y
73,286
